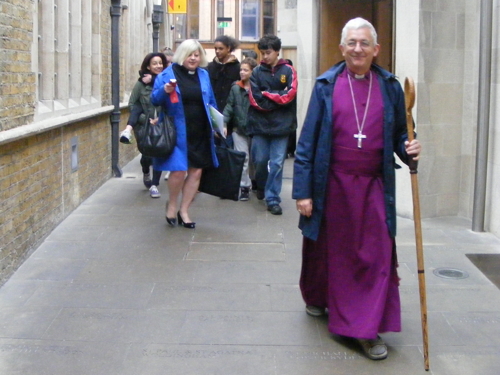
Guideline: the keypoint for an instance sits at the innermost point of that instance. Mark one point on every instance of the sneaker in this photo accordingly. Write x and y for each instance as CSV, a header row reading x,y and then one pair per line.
x,y
126,137
260,194
315,310
153,191
275,209
167,175
374,349
244,194
146,179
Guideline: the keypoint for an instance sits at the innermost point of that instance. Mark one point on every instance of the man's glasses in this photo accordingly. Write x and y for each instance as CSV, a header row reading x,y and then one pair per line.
x,y
363,44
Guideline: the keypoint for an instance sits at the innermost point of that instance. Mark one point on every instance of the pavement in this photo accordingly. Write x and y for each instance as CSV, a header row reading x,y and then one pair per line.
x,y
113,290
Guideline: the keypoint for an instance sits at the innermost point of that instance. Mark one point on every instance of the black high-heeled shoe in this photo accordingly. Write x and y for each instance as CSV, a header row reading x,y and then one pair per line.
x,y
170,220
185,225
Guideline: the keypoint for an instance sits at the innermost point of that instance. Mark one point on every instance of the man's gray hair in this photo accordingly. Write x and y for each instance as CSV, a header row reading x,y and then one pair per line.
x,y
186,48
355,24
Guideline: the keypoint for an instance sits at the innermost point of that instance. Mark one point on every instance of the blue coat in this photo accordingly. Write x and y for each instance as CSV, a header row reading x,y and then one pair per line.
x,y
312,157
178,161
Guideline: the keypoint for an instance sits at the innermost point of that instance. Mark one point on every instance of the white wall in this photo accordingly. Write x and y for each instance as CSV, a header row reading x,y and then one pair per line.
x,y
307,55
407,65
493,199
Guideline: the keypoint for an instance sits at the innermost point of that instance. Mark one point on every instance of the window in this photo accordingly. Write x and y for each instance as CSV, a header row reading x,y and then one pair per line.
x,y
250,20
180,27
257,18
69,56
268,17
191,25
246,20
194,18
226,18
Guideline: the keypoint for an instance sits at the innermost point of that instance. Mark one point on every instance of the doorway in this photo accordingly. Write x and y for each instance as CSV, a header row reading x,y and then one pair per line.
x,y
334,14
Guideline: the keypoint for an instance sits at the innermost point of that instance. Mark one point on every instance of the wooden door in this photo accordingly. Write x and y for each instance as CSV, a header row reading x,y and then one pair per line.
x,y
334,14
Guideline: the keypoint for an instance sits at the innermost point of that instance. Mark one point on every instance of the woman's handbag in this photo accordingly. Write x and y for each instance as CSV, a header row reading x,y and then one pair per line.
x,y
224,181
157,141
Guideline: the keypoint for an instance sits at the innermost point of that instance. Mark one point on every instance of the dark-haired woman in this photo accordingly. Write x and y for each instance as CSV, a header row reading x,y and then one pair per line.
x,y
224,70
142,109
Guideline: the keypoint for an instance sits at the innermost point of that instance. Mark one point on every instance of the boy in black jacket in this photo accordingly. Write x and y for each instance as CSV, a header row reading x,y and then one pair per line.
x,y
271,118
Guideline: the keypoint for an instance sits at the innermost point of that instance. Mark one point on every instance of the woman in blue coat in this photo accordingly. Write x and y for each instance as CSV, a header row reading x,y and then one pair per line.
x,y
184,91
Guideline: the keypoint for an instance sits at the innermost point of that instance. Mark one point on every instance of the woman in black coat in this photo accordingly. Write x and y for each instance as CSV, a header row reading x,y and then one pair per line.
x,y
224,70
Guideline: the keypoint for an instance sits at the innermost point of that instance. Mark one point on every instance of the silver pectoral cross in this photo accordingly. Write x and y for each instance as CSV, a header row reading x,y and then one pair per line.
x,y
360,137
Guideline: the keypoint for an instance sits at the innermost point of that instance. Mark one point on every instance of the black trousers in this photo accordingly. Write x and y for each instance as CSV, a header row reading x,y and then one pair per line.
x,y
146,163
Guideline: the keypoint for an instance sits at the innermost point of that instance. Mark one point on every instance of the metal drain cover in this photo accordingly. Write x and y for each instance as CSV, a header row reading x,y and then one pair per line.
x,y
450,273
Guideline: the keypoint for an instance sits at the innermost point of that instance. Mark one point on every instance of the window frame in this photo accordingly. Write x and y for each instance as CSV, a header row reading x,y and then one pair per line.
x,y
183,21
65,36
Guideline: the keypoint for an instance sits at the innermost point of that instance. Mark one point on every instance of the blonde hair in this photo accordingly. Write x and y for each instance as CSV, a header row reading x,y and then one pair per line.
x,y
186,48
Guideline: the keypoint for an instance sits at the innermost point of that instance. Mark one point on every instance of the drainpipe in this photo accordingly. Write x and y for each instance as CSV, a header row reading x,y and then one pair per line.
x,y
115,11
483,117
157,19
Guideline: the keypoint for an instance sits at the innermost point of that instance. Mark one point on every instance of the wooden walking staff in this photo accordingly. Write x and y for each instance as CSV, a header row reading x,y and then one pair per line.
x,y
413,165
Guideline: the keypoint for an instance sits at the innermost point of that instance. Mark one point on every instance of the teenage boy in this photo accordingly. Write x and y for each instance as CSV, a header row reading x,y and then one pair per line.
x,y
271,118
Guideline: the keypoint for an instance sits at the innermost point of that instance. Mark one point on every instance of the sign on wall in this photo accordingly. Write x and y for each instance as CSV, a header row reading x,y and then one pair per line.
x,y
177,6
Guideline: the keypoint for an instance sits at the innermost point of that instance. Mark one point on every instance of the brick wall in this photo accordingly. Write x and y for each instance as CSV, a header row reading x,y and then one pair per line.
x,y
17,81
38,188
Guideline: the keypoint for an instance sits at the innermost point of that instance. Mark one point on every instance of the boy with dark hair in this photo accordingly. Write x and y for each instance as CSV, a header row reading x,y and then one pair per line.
x,y
271,118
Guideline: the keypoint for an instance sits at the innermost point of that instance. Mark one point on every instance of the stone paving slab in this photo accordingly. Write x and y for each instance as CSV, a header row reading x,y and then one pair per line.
x,y
117,325
114,290
215,297
238,252
41,357
96,295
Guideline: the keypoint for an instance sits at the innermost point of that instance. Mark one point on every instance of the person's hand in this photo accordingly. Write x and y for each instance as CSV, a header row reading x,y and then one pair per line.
x,y
224,131
146,79
154,121
304,206
413,148
169,88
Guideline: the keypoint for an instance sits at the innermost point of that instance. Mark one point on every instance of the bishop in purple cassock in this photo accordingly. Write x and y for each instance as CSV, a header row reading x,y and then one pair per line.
x,y
343,181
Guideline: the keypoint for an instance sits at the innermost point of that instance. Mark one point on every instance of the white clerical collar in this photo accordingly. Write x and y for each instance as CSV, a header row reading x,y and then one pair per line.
x,y
358,76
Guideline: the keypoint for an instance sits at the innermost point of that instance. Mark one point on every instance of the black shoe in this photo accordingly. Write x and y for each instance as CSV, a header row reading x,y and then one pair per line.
x,y
260,194
171,221
185,225
245,194
275,209
254,185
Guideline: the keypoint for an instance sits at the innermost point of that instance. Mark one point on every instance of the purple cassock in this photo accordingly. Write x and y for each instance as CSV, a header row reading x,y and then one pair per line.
x,y
351,268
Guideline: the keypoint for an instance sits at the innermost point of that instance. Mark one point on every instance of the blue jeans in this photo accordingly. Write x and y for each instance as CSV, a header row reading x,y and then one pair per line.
x,y
269,150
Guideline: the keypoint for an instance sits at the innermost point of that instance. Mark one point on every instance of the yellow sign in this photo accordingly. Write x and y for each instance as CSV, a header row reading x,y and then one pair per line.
x,y
177,6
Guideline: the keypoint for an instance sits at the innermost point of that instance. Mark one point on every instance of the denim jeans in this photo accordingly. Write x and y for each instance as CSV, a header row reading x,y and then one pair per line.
x,y
268,150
